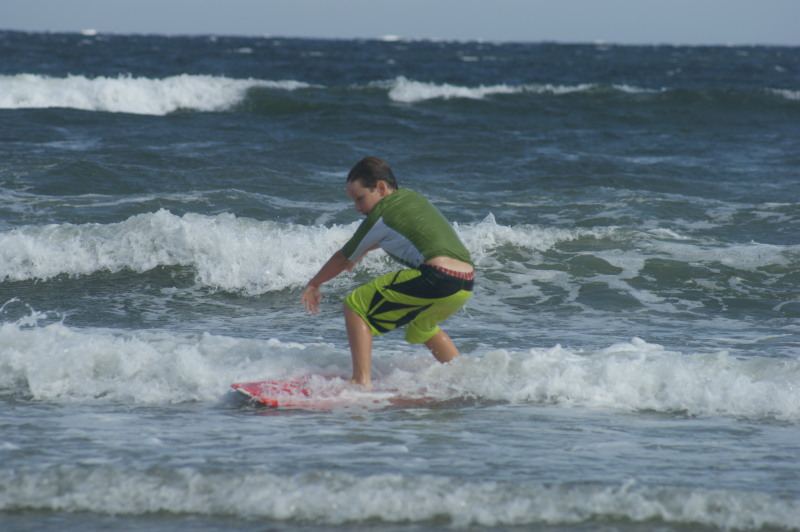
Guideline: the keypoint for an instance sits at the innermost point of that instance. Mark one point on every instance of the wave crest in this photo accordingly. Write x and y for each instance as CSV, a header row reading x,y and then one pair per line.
x,y
404,90
633,376
226,252
128,94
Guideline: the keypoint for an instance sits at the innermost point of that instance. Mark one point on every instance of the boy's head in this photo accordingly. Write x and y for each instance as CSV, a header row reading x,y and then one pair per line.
x,y
369,171
368,182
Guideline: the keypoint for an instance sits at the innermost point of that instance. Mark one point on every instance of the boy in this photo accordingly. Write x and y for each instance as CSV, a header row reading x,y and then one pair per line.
x,y
437,282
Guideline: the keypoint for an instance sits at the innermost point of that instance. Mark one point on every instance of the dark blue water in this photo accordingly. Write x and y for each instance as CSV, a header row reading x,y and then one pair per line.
x,y
631,355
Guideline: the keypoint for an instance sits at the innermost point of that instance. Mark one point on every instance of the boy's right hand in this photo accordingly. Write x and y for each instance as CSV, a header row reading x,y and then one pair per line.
x,y
311,298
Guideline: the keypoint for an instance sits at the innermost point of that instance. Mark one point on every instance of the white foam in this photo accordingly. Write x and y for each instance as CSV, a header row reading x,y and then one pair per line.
x,y
633,89
254,257
159,96
405,90
58,363
792,95
409,91
741,256
226,252
636,247
336,498
128,94
483,238
632,376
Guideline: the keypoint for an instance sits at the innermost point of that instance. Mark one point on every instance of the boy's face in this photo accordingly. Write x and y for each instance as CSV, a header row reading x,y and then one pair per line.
x,y
364,198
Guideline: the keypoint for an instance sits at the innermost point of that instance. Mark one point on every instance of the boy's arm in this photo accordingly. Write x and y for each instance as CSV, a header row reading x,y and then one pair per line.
x,y
335,265
352,263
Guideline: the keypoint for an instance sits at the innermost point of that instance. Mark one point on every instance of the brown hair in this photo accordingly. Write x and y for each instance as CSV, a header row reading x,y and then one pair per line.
x,y
370,170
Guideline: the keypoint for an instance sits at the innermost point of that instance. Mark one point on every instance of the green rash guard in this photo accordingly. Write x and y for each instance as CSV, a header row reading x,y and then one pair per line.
x,y
409,228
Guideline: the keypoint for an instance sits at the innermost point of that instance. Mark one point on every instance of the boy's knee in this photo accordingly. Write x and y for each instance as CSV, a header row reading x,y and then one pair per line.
x,y
418,335
442,347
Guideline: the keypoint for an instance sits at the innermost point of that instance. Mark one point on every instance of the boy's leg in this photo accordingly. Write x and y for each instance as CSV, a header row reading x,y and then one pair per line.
x,y
442,347
360,338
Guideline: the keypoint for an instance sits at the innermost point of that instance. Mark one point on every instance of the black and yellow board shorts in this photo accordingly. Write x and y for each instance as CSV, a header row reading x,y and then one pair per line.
x,y
419,298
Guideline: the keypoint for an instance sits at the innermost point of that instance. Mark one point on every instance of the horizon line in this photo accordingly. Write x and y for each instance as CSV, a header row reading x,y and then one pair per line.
x,y
390,38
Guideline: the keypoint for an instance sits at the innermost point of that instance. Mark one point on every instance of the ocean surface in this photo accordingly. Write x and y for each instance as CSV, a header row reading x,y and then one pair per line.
x,y
631,358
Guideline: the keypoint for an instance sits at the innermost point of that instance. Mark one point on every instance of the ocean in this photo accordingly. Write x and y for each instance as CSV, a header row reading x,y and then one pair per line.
x,y
630,358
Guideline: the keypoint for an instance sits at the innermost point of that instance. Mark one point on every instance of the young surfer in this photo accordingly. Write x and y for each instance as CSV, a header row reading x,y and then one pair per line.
x,y
436,282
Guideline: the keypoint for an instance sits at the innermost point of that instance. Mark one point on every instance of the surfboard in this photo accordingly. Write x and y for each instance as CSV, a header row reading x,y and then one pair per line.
x,y
319,392
293,392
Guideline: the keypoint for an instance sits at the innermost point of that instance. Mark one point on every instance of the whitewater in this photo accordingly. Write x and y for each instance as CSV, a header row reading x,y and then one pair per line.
x,y
127,94
152,367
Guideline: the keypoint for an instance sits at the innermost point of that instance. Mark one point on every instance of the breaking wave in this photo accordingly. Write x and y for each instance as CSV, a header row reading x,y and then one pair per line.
x,y
128,94
226,252
162,367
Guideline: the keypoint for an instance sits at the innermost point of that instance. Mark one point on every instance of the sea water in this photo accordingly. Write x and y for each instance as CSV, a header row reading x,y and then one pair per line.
x,y
631,356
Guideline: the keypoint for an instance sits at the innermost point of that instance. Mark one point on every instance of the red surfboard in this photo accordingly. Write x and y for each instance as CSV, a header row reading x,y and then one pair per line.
x,y
294,392
320,392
